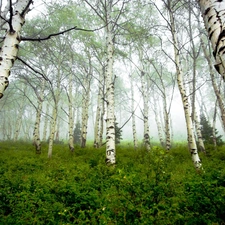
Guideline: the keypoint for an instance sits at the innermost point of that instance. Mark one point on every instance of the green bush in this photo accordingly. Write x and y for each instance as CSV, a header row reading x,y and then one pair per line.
x,y
158,187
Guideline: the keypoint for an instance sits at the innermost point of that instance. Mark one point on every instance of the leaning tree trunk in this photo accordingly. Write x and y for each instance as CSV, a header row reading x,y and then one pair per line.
x,y
215,87
214,20
9,50
190,132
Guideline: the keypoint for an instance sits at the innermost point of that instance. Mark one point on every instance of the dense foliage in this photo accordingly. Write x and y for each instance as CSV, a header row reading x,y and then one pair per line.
x,y
143,188
207,132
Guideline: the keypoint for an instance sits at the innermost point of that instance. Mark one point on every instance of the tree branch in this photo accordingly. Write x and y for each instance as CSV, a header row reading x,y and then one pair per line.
x,y
59,33
26,64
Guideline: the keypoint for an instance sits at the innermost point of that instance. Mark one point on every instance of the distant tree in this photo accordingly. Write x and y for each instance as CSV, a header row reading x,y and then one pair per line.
x,y
77,133
207,132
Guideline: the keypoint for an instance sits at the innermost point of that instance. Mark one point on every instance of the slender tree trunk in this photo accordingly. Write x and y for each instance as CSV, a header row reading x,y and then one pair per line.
x,y
9,50
85,108
110,116
194,55
97,117
18,121
158,124
214,20
215,87
101,130
191,137
71,121
134,130
45,123
214,126
52,130
36,133
145,112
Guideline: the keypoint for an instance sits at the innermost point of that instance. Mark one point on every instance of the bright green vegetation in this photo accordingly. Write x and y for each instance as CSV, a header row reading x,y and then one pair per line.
x,y
143,188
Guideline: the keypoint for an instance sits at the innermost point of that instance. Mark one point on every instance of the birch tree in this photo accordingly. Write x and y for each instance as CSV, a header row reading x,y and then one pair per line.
x,y
10,45
109,17
180,80
214,20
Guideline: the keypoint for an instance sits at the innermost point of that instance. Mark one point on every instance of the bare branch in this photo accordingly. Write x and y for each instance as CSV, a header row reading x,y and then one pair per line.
x,y
59,33
26,64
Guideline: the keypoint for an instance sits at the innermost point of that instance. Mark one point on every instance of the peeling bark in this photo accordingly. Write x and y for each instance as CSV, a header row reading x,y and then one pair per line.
x,y
215,87
213,12
110,116
10,46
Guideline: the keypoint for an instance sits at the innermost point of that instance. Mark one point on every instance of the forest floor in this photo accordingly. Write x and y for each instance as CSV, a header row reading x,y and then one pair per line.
x,y
78,188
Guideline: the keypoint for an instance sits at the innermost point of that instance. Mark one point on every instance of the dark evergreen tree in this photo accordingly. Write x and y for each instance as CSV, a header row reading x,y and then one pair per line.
x,y
118,133
77,133
207,132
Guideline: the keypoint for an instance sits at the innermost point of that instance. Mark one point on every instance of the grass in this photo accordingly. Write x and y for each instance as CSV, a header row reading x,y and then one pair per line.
x,y
143,188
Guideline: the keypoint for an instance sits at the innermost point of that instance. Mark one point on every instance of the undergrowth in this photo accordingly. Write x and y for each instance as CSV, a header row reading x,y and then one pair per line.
x,y
143,188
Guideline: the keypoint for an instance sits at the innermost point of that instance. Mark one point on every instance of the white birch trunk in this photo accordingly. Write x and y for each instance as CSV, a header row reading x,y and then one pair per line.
x,y
18,121
134,130
97,119
45,124
110,116
101,130
36,133
190,132
159,127
214,20
9,50
214,126
71,120
215,87
85,108
52,130
145,112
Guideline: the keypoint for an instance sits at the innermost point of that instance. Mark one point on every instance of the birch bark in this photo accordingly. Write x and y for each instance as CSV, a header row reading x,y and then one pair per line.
x,y
145,111
85,108
191,137
158,124
44,138
215,87
214,20
36,133
9,50
110,115
71,120
134,130
98,113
